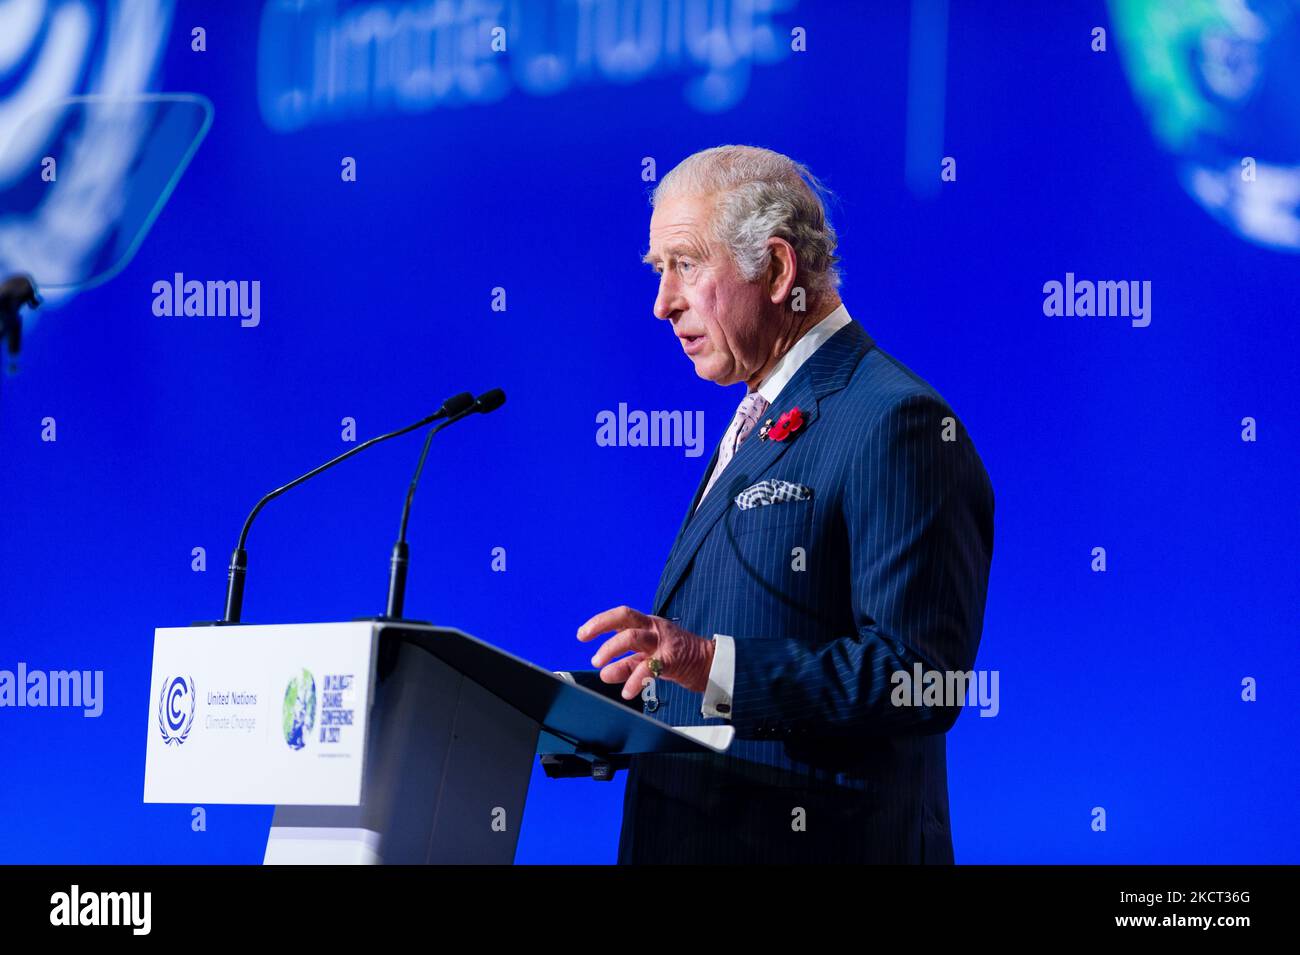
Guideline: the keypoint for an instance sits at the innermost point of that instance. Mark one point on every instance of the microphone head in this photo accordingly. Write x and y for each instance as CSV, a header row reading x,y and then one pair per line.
x,y
490,400
19,290
457,404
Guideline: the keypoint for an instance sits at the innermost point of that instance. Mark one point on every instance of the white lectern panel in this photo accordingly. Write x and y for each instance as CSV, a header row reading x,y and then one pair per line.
x,y
269,715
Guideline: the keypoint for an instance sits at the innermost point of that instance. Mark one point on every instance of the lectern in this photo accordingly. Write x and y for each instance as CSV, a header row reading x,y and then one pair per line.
x,y
377,741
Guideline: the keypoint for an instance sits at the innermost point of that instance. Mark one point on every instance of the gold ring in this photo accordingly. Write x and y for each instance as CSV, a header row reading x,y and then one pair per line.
x,y
656,666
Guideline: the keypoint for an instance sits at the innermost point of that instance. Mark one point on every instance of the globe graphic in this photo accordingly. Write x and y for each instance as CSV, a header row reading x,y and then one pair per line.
x,y
299,709
1219,83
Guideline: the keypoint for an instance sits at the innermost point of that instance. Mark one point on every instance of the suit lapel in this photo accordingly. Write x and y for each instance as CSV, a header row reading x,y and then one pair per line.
x,y
825,371
699,489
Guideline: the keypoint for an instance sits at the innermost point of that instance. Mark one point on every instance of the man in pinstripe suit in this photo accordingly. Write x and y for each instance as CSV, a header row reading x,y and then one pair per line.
x,y
841,534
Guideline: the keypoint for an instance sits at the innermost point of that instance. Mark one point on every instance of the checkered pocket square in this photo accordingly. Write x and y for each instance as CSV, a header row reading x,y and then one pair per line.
x,y
771,492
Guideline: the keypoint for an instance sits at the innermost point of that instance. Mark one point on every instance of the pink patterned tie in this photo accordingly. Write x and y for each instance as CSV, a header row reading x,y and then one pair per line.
x,y
751,409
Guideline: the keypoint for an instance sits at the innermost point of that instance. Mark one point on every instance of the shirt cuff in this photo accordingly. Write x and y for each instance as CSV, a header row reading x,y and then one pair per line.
x,y
722,679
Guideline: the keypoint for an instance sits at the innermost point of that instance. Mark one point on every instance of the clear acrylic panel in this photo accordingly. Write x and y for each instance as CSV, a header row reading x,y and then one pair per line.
x,y
88,176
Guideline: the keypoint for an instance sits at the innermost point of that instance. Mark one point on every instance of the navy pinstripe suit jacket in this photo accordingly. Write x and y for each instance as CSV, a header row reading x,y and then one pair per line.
x,y
896,542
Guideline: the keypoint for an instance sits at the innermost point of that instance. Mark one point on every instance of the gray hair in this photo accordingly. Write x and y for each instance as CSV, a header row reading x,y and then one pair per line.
x,y
760,194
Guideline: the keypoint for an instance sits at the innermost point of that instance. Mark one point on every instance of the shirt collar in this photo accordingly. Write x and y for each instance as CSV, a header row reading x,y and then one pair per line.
x,y
800,352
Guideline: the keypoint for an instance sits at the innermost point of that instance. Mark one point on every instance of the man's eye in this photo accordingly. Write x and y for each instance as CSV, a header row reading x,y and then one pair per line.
x,y
685,265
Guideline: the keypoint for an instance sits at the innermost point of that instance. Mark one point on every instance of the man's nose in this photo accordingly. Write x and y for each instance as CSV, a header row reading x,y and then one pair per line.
x,y
669,300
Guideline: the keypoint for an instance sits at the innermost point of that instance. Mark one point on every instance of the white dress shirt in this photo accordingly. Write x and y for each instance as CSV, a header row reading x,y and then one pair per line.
x,y
722,674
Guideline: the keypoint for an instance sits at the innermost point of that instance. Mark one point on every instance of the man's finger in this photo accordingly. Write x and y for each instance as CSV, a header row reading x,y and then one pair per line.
x,y
617,618
621,670
622,642
639,678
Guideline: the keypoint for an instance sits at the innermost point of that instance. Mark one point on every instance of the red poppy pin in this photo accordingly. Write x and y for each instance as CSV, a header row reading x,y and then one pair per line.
x,y
786,425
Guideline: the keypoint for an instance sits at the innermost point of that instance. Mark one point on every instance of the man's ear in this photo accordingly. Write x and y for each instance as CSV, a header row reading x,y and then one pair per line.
x,y
782,269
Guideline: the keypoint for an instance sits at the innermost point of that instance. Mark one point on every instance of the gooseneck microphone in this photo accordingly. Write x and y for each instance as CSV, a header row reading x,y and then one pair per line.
x,y
486,403
456,405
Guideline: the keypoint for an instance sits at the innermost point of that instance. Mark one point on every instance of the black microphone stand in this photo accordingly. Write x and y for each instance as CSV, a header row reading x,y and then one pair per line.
x,y
239,559
15,292
401,556
397,565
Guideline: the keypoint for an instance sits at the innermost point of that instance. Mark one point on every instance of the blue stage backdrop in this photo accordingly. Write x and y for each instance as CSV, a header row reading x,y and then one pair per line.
x,y
418,212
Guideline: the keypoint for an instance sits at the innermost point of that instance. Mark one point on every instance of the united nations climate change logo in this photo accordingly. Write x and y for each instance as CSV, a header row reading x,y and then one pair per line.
x,y
299,709
176,705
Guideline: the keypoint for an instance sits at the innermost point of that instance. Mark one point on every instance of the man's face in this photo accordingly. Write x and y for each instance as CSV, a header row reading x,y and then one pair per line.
x,y
719,318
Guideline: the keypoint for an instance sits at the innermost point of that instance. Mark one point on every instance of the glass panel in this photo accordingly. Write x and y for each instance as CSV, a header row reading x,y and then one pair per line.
x,y
87,177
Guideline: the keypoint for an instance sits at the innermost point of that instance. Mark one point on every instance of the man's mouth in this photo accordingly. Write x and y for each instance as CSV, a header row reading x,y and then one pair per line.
x,y
692,343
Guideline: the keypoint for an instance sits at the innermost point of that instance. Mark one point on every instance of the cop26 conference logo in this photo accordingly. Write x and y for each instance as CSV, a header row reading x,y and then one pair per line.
x,y
51,50
176,705
299,711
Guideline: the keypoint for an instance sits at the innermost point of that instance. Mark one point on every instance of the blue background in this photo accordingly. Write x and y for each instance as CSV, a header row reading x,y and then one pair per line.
x,y
1119,690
